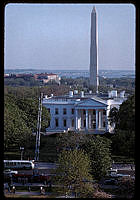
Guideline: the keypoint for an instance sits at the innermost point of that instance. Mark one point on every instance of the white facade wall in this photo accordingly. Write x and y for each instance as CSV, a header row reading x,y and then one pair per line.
x,y
60,116
89,113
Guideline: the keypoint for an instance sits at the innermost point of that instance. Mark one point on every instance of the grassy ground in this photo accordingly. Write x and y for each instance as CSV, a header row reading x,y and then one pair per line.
x,y
47,150
28,196
122,159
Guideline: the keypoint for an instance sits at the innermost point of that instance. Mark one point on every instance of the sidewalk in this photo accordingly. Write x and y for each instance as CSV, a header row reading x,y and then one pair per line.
x,y
18,194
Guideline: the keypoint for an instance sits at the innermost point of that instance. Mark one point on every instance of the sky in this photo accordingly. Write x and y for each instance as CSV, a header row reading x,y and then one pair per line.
x,y
57,36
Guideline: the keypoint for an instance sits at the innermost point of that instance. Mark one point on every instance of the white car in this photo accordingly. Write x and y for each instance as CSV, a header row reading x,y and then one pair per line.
x,y
8,172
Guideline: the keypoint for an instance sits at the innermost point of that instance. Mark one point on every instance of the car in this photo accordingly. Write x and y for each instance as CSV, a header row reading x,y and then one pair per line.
x,y
10,172
110,182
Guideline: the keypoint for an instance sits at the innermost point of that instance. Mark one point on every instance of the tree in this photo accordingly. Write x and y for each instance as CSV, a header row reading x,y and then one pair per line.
x,y
127,115
16,130
73,173
123,141
70,140
20,119
98,149
124,118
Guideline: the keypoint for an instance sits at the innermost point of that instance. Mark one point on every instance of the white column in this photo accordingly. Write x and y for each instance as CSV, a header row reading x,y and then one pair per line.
x,y
80,124
100,119
86,119
89,120
106,122
76,119
96,119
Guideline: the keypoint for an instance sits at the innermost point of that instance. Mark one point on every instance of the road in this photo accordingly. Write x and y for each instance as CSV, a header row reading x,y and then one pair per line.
x,y
47,168
123,166
44,165
41,167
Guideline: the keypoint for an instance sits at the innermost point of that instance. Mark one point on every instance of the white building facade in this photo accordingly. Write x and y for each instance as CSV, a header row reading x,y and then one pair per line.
x,y
79,112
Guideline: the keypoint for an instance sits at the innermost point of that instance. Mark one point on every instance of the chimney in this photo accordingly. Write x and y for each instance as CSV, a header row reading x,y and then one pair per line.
x,y
122,94
70,93
82,93
75,91
90,92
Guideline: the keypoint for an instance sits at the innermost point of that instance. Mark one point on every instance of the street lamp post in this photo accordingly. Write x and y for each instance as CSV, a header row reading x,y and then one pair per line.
x,y
21,149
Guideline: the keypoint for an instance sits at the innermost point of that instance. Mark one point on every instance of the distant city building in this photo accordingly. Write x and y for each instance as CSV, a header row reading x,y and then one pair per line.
x,y
23,75
45,77
94,79
81,112
18,75
6,75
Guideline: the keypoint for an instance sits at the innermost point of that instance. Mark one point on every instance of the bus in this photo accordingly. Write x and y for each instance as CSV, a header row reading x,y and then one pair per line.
x,y
18,164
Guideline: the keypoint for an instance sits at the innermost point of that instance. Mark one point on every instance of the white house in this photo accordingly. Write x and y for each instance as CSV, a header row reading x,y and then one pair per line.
x,y
79,112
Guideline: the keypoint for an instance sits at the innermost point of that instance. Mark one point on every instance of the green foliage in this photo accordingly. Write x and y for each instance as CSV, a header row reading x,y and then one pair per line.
x,y
127,84
123,141
48,151
74,172
127,115
98,148
26,81
69,140
33,92
16,130
20,119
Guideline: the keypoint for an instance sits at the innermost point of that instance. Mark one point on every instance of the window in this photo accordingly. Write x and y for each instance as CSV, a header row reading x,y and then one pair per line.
x,y
56,111
64,111
65,122
84,123
72,111
72,123
56,122
94,112
48,109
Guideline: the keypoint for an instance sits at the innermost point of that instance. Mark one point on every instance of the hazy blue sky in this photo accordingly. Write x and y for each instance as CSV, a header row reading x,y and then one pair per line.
x,y
57,36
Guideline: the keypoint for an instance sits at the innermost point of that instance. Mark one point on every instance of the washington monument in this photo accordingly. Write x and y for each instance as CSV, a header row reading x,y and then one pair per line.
x,y
94,51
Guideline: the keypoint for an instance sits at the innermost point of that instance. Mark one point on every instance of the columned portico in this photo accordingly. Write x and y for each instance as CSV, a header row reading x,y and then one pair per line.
x,y
85,118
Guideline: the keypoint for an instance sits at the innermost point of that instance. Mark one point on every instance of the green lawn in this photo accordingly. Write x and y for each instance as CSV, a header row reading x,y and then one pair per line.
x,y
47,150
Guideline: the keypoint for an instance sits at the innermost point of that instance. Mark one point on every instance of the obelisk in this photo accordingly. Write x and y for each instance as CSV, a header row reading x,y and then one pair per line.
x,y
94,51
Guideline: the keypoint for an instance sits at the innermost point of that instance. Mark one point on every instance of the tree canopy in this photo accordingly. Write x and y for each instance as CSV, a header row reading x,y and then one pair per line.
x,y
123,141
73,173
98,149
20,119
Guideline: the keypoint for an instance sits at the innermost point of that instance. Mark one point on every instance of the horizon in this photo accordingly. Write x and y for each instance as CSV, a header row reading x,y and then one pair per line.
x,y
25,69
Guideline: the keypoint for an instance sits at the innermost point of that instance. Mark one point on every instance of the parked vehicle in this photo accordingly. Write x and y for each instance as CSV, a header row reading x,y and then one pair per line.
x,y
9,171
18,164
110,182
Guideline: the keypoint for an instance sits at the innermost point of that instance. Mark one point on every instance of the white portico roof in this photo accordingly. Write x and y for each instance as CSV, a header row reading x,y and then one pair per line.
x,y
90,103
